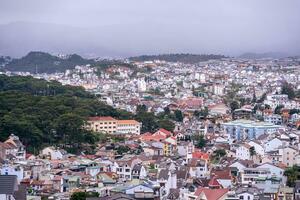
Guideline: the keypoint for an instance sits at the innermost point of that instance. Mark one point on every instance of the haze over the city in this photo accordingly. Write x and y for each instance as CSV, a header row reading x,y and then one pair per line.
x,y
119,28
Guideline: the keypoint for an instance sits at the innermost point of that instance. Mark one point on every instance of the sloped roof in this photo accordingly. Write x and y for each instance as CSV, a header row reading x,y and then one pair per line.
x,y
211,194
214,182
102,119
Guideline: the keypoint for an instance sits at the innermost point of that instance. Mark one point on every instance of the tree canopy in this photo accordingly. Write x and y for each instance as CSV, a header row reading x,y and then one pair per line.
x,y
289,90
184,58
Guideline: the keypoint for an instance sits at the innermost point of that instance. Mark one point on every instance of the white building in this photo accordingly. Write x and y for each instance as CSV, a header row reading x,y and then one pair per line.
x,y
274,119
259,149
128,127
275,100
124,168
202,78
275,171
12,170
243,152
142,85
273,145
218,89
53,153
251,175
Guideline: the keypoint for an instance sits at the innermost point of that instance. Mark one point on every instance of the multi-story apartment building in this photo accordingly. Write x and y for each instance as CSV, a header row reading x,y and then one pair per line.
x,y
251,175
274,119
102,124
112,126
248,130
128,127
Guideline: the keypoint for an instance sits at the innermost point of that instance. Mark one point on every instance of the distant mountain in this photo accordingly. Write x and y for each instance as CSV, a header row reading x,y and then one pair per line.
x,y
184,58
273,55
41,62
45,63
4,60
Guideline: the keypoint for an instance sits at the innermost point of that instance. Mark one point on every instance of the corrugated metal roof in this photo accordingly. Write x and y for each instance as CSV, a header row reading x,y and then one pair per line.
x,y
8,184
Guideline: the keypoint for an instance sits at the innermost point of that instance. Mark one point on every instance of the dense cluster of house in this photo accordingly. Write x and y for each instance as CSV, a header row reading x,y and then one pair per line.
x,y
230,154
169,166
174,83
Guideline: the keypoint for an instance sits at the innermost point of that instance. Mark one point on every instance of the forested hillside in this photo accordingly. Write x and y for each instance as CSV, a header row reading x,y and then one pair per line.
x,y
184,58
41,62
44,113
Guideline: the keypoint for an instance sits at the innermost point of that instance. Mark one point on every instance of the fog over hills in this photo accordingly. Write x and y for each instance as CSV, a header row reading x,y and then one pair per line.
x,y
17,39
124,28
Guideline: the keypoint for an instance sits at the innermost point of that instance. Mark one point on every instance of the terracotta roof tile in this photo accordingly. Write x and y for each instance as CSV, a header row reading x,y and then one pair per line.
x,y
102,119
211,194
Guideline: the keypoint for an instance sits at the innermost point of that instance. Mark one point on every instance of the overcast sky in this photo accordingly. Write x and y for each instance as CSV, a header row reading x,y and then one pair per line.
x,y
153,26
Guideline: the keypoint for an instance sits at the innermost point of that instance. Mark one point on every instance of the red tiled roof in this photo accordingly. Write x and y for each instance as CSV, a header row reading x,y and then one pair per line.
x,y
7,145
102,119
154,137
224,173
214,182
200,155
162,130
211,194
28,155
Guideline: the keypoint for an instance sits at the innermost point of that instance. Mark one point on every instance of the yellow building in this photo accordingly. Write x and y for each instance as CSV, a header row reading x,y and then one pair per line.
x,y
113,126
102,124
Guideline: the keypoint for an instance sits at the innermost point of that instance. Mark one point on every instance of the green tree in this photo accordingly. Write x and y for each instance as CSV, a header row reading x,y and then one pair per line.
x,y
289,90
149,121
78,196
83,195
167,124
178,115
254,99
219,153
292,174
262,98
122,149
278,109
201,142
167,111
234,105
252,151
141,108
293,111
